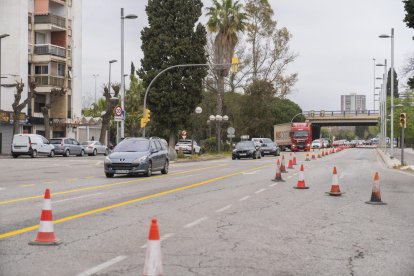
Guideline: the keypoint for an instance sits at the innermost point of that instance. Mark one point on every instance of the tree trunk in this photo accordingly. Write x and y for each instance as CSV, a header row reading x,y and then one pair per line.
x,y
104,129
46,118
16,128
171,146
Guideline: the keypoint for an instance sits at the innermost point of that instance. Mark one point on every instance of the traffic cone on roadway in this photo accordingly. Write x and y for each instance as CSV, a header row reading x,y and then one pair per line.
x,y
307,157
153,262
335,191
282,165
301,180
313,154
323,152
319,154
46,235
290,164
376,193
278,176
294,159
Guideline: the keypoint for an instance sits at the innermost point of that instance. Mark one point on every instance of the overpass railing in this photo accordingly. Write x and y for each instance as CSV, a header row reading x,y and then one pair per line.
x,y
324,113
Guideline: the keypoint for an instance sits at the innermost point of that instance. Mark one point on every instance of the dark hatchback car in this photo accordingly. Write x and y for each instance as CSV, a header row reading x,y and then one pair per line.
x,y
137,156
268,147
246,149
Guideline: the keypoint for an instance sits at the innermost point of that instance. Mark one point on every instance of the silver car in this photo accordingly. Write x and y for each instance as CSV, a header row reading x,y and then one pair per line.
x,y
92,148
67,147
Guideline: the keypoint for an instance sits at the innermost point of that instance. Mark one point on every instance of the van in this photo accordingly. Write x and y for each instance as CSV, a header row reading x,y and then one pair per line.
x,y
32,145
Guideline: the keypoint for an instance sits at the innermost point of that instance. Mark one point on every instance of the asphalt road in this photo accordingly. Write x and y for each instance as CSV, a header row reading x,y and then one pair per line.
x,y
219,217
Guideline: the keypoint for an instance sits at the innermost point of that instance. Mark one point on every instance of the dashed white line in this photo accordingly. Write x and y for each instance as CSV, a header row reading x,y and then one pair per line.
x,y
223,209
290,176
273,184
295,174
194,223
102,266
75,198
162,238
2,188
259,191
244,198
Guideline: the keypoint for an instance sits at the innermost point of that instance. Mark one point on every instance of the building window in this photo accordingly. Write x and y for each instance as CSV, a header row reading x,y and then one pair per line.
x,y
41,70
39,102
40,38
69,106
61,69
29,69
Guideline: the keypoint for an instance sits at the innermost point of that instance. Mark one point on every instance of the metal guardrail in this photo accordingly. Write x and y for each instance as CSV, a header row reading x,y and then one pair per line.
x,y
50,19
49,49
324,113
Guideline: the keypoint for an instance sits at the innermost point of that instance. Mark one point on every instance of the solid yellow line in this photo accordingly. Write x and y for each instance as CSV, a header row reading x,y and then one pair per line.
x,y
27,229
105,185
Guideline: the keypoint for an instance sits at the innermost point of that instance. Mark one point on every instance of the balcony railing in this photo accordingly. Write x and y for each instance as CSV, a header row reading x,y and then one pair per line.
x,y
49,49
49,81
50,19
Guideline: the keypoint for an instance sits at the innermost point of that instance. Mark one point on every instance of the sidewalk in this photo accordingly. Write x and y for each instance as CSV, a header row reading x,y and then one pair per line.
x,y
395,159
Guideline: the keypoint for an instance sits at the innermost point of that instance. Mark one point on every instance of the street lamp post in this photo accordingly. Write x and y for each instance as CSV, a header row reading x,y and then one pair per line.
x,y
219,119
95,76
374,83
109,90
129,16
1,37
198,110
384,101
392,87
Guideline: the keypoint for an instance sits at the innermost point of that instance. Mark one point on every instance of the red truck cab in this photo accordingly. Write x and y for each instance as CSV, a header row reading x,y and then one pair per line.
x,y
301,136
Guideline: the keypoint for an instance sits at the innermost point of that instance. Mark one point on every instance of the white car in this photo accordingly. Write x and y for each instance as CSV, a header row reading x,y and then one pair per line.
x,y
316,144
32,145
185,146
94,148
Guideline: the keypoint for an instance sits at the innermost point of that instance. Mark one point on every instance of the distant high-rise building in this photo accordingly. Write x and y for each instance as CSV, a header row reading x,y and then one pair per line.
x,y
353,102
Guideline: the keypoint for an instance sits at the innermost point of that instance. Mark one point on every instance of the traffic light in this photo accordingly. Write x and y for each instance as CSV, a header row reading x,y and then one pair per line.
x,y
403,120
147,114
143,122
234,65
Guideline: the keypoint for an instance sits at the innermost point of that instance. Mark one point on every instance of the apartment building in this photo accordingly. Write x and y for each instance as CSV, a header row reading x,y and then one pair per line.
x,y
44,45
353,102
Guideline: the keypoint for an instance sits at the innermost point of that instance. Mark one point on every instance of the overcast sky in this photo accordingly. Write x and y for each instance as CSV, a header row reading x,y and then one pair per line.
x,y
336,42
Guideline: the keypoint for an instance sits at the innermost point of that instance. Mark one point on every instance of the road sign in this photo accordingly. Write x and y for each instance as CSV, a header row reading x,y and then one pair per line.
x,y
184,134
118,110
231,135
118,118
231,131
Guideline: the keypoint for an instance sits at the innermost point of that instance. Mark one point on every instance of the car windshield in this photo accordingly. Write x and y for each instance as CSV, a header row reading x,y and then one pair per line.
x,y
300,133
55,141
243,145
184,142
132,145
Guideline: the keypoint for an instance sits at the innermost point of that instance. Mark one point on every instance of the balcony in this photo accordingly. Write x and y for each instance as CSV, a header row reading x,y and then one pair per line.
x,y
46,82
49,49
49,22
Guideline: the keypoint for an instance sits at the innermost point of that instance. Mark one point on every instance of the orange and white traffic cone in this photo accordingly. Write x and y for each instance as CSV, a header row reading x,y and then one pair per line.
x,y
335,191
153,261
323,152
278,176
307,157
376,193
46,235
319,155
313,154
301,180
294,159
290,164
282,165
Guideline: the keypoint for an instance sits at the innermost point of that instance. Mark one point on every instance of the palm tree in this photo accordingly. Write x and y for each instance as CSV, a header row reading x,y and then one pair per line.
x,y
227,20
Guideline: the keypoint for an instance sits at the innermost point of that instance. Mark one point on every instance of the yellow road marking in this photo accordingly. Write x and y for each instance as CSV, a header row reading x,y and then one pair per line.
x,y
106,185
27,185
50,182
89,177
30,228
72,179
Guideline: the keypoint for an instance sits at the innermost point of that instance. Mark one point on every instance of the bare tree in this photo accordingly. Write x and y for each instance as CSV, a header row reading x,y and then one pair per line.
x,y
111,102
55,94
17,106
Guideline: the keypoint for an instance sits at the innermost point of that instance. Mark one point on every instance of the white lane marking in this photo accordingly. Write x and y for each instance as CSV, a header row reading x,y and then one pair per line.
x,y
253,172
164,237
295,174
2,188
259,191
75,198
223,209
102,266
341,176
194,223
98,163
244,198
272,185
290,176
24,186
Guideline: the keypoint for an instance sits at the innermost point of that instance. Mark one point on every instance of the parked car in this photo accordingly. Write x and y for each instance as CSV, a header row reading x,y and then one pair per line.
x,y
94,148
67,147
137,156
32,145
326,143
246,149
316,144
185,146
268,147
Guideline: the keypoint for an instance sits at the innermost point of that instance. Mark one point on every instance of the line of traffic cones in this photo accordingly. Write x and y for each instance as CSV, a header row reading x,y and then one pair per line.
x,y
301,181
282,165
335,191
376,193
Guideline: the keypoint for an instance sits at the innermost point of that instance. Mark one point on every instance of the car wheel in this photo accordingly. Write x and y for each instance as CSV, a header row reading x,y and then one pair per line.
x,y
34,154
254,156
106,152
149,169
260,156
67,153
94,152
82,153
15,155
165,169
109,175
51,154
233,158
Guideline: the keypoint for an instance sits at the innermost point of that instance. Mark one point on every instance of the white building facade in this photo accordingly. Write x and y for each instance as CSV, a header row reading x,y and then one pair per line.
x,y
44,46
353,102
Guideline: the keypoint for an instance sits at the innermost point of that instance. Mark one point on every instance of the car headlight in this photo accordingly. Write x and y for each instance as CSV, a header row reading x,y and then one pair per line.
x,y
141,159
107,160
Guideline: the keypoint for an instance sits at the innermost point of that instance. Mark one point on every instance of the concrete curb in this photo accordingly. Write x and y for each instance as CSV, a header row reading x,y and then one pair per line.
x,y
391,163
